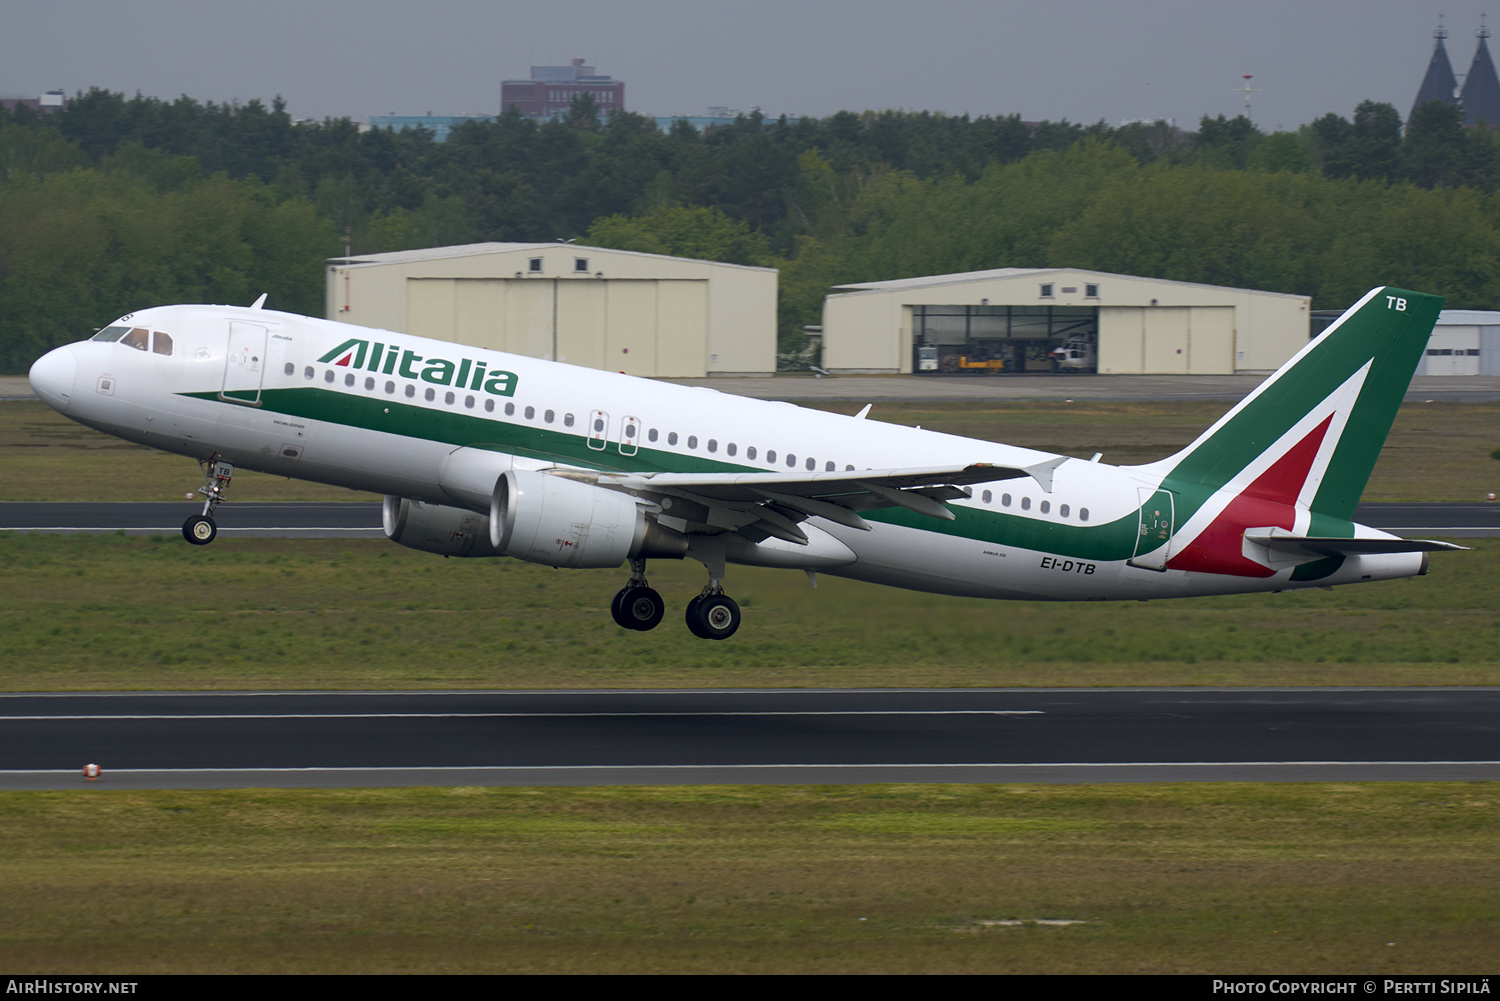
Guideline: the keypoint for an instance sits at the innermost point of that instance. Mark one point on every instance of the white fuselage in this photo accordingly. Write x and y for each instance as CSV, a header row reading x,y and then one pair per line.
x,y
261,389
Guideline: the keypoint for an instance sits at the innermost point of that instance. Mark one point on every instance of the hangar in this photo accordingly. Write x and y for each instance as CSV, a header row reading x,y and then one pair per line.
x,y
1016,319
1464,342
618,310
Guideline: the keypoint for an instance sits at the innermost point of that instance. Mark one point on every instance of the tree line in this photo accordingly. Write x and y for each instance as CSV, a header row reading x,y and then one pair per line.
x,y
114,203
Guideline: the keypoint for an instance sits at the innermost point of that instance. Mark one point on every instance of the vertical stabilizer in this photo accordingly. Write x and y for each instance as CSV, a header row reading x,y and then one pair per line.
x,y
1310,434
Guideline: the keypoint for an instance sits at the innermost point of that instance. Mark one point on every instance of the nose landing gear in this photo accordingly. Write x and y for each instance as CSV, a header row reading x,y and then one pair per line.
x,y
200,529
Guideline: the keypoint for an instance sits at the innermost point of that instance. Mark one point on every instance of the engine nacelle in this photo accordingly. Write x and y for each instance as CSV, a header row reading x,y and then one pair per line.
x,y
436,528
560,522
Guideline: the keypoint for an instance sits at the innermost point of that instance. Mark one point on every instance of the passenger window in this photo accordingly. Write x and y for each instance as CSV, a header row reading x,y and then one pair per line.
x,y
307,373
1063,511
161,343
510,410
692,441
548,416
812,464
448,398
1083,514
1005,500
1046,506
290,368
489,406
771,457
1025,503
390,387
986,496
731,448
713,444
671,437
349,379
530,413
791,460
567,420
411,391
369,385
138,338
750,452
468,403
430,395
328,376
828,467
651,435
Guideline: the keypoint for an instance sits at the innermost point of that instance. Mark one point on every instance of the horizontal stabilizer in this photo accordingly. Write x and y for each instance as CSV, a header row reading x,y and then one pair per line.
x,y
1279,540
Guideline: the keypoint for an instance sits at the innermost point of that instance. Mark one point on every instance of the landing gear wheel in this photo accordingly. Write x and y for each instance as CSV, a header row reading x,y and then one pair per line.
x,y
200,530
714,617
638,608
690,614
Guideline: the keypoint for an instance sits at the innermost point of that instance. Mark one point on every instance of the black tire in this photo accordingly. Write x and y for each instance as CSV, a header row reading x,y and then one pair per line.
x,y
690,614
200,530
715,617
639,608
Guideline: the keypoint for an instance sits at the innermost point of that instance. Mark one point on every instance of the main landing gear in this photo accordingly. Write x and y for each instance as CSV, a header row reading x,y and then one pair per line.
x,y
200,529
712,615
638,606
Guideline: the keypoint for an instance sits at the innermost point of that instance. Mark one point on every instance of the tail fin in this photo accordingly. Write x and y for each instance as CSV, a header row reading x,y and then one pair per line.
x,y
1310,434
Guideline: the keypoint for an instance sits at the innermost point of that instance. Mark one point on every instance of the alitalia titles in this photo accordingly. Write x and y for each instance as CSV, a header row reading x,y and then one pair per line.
x,y
394,360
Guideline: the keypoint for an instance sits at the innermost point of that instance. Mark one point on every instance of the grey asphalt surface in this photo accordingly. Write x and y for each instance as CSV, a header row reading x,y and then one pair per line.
x,y
229,740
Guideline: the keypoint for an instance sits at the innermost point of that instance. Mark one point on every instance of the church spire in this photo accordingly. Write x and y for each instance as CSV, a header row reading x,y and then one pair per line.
x,y
1440,84
1481,93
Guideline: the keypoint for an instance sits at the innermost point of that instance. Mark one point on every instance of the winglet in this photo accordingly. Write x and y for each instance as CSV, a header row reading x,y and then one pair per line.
x,y
1042,471
261,302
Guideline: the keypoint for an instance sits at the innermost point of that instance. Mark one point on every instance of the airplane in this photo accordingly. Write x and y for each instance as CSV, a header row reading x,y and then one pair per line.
x,y
484,454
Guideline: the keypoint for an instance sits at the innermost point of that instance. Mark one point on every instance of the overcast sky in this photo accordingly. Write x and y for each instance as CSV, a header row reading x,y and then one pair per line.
x,y
1081,60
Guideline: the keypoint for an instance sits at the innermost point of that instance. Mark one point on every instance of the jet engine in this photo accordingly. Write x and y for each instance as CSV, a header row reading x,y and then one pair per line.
x,y
436,528
562,522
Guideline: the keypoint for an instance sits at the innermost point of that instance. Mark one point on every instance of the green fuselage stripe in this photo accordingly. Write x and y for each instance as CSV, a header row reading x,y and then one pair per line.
x,y
1107,541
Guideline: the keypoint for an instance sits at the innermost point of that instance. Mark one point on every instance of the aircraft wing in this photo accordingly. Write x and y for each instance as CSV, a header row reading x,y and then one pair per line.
x,y
771,504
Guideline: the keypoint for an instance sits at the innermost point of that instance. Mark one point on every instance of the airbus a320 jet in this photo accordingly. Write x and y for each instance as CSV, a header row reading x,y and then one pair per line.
x,y
480,453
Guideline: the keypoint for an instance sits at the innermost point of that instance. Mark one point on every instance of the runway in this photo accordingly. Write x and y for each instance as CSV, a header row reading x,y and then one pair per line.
x,y
362,520
252,739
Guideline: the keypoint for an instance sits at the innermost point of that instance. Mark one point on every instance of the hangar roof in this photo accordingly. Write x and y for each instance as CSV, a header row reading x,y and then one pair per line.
x,y
929,281
481,249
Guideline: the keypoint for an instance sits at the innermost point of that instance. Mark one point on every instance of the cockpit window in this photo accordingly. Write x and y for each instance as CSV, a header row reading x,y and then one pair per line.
x,y
138,338
161,343
110,334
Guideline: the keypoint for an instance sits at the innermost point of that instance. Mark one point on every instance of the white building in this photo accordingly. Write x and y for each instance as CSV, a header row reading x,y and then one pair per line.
x,y
1464,342
642,314
1009,319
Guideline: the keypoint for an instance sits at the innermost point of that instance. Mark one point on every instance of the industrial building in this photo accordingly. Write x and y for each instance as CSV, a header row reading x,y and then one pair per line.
x,y
550,91
1464,342
617,310
1025,319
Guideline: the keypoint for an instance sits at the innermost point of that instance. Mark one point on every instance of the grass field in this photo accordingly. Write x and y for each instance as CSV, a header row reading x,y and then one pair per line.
x,y
1435,452
1355,878
1363,878
106,612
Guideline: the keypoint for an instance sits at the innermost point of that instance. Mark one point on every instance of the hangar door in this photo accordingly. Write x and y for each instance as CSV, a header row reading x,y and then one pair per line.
x,y
1167,340
648,327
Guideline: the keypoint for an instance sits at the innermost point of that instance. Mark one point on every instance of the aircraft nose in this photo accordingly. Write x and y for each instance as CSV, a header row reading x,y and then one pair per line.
x,y
52,377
